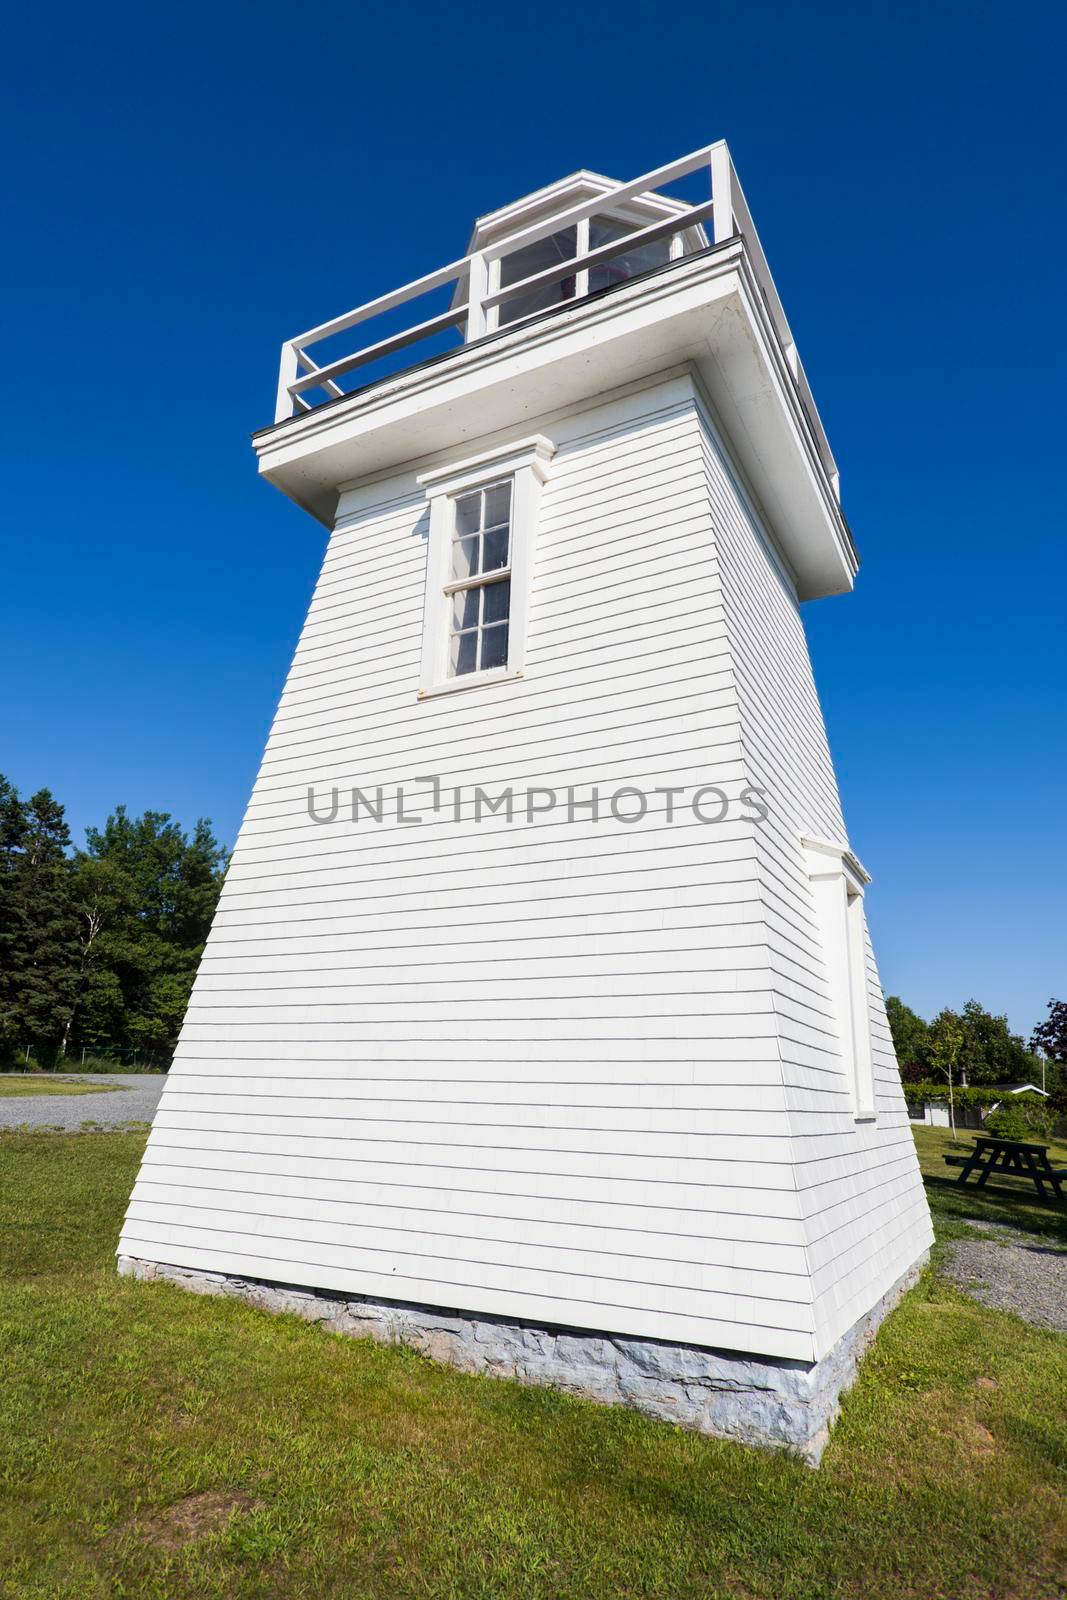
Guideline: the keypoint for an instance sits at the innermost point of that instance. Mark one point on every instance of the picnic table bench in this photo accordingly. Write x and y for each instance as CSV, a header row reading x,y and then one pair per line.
x,y
1014,1157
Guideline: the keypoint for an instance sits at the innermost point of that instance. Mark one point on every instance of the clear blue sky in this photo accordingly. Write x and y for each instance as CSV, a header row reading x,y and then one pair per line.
x,y
187,185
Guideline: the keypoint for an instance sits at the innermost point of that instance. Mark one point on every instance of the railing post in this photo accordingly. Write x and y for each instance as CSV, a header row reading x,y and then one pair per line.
x,y
288,371
722,192
477,289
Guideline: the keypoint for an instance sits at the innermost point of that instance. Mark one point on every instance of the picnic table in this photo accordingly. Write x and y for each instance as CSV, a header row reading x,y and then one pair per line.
x,y
1011,1156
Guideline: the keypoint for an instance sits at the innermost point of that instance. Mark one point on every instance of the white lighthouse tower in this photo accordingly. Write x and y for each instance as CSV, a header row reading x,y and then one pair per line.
x,y
539,1026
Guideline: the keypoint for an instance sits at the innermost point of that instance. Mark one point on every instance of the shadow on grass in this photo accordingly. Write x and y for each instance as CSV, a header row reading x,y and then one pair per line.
x,y
955,1205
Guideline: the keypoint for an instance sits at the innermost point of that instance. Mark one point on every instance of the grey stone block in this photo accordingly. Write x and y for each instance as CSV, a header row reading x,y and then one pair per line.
x,y
787,1404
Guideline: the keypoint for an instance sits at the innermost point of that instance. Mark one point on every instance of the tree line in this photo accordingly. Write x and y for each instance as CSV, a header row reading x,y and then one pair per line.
x,y
99,946
973,1048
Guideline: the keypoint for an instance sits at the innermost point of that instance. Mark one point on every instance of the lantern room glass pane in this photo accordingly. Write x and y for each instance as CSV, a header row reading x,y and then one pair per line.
x,y
533,258
604,230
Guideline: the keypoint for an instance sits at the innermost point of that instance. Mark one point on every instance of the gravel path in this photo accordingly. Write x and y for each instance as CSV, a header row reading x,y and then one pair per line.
x,y
1026,1278
134,1100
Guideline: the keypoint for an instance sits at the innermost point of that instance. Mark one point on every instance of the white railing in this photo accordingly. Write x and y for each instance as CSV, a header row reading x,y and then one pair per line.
x,y
725,208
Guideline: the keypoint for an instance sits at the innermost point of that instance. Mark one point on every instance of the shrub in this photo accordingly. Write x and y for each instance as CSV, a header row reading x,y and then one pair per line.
x,y
1020,1116
980,1095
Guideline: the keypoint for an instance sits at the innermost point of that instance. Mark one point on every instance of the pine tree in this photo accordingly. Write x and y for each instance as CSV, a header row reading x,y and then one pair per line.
x,y
12,833
146,959
38,930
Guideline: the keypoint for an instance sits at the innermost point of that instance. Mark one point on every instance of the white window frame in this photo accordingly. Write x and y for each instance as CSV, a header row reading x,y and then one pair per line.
x,y
838,881
526,464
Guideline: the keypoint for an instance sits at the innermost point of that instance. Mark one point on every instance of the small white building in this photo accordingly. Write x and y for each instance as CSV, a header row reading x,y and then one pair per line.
x,y
539,1025
935,1113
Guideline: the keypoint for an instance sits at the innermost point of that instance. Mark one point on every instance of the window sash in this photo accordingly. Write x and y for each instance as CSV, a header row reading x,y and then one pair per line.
x,y
478,517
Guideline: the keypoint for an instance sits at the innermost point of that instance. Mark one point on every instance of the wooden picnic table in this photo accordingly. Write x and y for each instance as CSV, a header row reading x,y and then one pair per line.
x,y
1011,1156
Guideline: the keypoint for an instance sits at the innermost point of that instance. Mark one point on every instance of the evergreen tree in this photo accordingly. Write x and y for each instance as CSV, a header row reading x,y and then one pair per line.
x,y
12,832
38,930
99,948
163,887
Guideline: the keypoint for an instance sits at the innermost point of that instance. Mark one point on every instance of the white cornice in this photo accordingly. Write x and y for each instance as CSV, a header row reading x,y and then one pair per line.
x,y
826,858
535,452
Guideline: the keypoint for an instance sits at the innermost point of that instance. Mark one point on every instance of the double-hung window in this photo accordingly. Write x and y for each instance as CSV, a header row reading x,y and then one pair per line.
x,y
483,518
480,580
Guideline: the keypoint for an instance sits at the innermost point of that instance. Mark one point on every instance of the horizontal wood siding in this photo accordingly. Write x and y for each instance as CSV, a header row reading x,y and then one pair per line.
x,y
572,1071
865,1213
531,1069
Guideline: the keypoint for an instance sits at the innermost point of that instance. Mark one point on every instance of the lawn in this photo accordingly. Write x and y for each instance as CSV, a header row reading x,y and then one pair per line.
x,y
1014,1201
12,1085
156,1444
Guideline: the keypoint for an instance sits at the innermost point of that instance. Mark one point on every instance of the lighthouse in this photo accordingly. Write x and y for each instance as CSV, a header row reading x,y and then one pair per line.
x,y
539,1025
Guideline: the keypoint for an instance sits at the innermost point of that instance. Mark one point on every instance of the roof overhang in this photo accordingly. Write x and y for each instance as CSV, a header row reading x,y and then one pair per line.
x,y
704,309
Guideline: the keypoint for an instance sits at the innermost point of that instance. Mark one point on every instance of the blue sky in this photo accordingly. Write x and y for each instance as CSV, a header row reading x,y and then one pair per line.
x,y
186,186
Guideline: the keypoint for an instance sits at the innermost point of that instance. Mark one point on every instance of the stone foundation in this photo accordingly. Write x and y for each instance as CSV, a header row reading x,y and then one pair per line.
x,y
789,1404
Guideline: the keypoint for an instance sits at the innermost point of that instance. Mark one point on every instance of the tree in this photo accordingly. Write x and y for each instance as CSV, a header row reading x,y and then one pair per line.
x,y
38,930
103,896
12,831
946,1042
911,1038
99,947
152,945
1050,1036
990,1052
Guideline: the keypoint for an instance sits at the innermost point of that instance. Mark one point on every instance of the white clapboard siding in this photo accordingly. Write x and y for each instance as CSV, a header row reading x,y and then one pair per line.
x,y
571,1071
858,1181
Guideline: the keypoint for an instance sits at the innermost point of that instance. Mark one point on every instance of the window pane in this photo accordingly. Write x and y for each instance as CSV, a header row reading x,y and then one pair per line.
x,y
464,653
465,609
497,504
495,551
495,646
468,513
602,230
465,557
497,601
535,258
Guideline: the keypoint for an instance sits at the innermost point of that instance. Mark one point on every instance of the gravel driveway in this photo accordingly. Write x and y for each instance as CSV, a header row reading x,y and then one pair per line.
x,y
1022,1276
134,1100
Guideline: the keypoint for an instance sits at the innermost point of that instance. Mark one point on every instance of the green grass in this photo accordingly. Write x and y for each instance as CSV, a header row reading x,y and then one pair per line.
x,y
1011,1201
371,1474
12,1086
